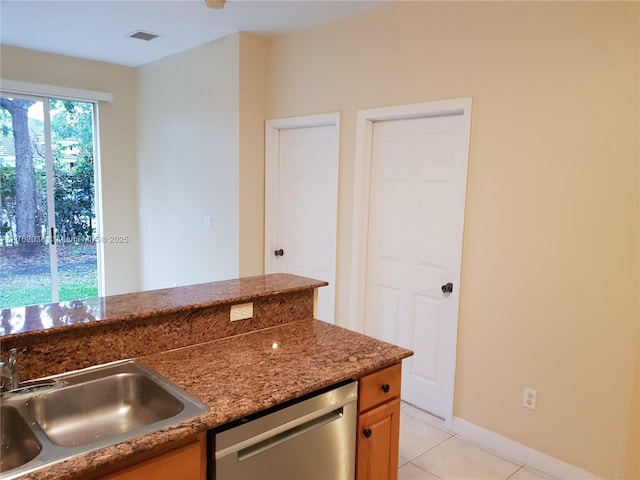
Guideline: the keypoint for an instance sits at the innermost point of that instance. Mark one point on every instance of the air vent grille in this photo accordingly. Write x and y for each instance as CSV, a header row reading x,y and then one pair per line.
x,y
140,35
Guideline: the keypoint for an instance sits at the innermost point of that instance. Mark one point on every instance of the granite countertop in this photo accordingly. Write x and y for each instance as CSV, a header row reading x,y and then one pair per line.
x,y
243,374
67,316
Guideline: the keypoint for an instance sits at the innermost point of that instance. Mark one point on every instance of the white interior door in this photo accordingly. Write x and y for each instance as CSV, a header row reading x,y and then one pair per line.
x,y
414,248
302,183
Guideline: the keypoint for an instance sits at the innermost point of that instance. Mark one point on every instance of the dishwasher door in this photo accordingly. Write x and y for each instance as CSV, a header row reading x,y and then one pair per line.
x,y
314,438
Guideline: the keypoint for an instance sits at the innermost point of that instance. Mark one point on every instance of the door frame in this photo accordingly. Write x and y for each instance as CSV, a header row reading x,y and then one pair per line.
x,y
272,172
360,232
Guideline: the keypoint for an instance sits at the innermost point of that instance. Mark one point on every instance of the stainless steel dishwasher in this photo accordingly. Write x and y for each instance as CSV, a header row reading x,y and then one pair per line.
x,y
310,438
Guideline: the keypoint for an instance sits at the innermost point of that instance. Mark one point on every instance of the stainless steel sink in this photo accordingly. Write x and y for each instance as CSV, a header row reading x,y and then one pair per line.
x,y
98,409
18,443
86,410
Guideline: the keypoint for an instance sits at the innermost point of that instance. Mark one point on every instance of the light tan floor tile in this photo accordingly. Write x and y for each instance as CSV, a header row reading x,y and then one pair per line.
x,y
423,416
456,459
527,474
413,472
416,438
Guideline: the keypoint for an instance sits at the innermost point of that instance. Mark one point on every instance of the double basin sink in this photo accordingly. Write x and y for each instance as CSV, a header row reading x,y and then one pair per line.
x,y
78,412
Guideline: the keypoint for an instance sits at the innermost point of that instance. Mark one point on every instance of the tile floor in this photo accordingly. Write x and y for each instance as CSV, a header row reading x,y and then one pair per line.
x,y
428,451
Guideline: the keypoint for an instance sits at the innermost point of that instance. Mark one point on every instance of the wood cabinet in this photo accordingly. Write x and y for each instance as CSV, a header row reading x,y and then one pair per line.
x,y
378,433
185,462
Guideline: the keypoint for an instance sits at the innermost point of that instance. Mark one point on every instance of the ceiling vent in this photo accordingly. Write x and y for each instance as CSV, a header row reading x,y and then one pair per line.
x,y
140,35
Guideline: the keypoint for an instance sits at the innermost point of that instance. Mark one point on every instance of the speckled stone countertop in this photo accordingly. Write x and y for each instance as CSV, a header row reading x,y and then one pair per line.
x,y
57,317
244,374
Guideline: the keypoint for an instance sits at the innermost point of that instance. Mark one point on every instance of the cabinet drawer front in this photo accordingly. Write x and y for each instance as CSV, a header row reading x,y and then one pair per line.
x,y
379,387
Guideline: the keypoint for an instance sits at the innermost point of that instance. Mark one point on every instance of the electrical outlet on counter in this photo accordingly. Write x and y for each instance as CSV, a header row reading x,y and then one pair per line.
x,y
242,311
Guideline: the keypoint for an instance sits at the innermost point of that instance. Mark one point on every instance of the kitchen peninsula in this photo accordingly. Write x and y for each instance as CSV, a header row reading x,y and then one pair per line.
x,y
185,333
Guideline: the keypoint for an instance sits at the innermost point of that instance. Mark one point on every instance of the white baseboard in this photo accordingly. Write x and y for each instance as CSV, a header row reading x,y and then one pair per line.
x,y
519,453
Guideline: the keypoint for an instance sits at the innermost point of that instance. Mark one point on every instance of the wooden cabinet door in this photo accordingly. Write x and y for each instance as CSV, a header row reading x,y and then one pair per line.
x,y
377,442
187,462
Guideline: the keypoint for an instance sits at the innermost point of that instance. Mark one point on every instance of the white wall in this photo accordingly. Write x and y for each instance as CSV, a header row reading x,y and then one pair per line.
x,y
187,122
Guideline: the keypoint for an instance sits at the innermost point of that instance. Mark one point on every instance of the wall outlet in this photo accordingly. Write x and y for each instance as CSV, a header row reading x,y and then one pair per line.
x,y
241,312
530,398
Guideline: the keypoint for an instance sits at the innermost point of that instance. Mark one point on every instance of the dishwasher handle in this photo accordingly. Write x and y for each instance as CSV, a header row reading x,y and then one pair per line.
x,y
294,432
255,445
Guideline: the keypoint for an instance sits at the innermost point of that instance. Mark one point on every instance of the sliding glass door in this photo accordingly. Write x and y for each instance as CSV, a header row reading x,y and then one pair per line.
x,y
48,222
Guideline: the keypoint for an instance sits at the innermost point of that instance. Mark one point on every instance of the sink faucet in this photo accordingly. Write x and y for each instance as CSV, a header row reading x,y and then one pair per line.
x,y
9,372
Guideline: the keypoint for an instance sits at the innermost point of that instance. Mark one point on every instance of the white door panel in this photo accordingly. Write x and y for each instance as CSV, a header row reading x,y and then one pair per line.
x,y
416,214
304,212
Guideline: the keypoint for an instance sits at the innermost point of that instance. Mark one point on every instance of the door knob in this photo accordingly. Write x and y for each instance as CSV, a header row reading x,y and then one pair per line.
x,y
279,252
366,432
447,288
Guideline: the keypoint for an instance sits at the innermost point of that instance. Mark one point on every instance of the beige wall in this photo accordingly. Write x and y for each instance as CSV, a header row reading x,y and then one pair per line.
x,y
188,139
636,439
253,89
549,294
117,146
634,434
550,289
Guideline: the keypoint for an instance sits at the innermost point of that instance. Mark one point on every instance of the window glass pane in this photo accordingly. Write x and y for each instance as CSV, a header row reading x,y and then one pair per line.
x,y
73,173
25,274
32,270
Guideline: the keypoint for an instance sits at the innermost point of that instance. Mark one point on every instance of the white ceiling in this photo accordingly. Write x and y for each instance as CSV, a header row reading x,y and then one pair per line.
x,y
100,29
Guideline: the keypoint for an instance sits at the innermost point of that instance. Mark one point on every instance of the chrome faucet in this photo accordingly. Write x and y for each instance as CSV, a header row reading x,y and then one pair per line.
x,y
9,375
